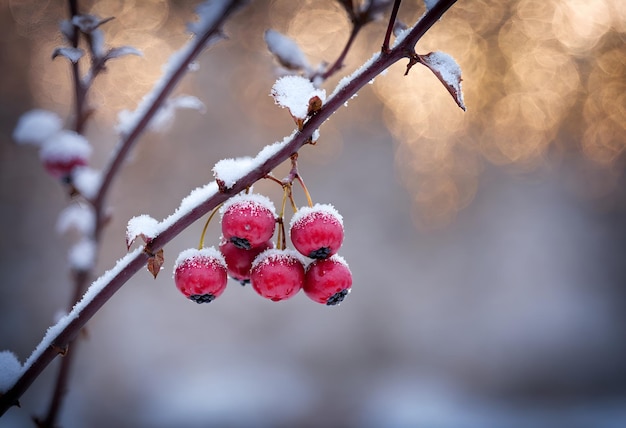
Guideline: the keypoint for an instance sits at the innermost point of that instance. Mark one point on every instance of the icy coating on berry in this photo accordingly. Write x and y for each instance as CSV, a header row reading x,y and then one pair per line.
x,y
277,274
328,281
193,253
317,232
254,200
275,255
303,215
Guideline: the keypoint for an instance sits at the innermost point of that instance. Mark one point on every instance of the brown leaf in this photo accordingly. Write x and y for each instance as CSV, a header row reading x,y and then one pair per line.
x,y
155,263
447,71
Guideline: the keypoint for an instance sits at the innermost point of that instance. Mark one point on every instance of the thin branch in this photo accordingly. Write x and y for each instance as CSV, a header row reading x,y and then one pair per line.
x,y
129,139
356,27
392,23
136,260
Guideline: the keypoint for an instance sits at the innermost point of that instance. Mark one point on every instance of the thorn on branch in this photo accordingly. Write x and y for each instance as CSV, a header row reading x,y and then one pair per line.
x,y
61,350
413,59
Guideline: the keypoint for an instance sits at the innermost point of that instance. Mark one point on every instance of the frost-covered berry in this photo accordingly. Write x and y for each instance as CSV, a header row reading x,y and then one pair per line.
x,y
277,274
317,232
200,274
328,281
239,261
63,152
248,220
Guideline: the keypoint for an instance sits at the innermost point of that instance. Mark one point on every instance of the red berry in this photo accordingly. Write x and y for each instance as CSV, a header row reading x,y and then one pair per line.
x,y
239,261
63,152
317,232
277,274
248,220
328,281
200,274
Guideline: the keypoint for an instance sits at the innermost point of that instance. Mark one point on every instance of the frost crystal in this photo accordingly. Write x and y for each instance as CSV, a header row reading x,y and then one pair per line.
x,y
193,253
326,209
286,51
65,146
10,370
247,198
347,79
36,126
294,93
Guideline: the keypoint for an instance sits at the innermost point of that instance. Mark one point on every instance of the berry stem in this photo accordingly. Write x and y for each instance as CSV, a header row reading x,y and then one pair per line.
x,y
306,191
206,225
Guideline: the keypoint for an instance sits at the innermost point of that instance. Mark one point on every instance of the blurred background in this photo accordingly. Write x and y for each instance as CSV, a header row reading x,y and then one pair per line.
x,y
487,247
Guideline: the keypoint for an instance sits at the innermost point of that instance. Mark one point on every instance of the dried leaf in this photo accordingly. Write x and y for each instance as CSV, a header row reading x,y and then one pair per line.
x,y
122,51
447,71
155,263
73,54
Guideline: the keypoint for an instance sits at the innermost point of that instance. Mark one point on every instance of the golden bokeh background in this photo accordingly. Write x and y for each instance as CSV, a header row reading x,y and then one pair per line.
x,y
487,246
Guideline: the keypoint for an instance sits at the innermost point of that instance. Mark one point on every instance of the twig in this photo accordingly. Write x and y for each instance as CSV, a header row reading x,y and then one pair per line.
x,y
136,260
392,23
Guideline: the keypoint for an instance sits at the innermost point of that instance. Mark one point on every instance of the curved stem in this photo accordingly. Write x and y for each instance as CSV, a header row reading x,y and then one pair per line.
x,y
206,226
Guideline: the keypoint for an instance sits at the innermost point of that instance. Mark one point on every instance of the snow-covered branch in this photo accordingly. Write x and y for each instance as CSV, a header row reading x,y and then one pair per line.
x,y
202,200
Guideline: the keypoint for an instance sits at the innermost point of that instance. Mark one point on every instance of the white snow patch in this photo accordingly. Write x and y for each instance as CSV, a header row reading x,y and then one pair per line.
x,y
141,225
94,289
338,259
10,370
286,50
79,217
208,253
87,181
36,126
191,201
71,53
430,4
347,79
294,93
249,199
208,13
230,171
82,255
327,210
448,70
65,145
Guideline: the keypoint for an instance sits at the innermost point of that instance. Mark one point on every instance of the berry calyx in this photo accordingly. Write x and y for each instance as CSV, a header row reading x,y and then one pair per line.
x,y
328,281
200,275
248,220
317,231
239,261
277,274
63,152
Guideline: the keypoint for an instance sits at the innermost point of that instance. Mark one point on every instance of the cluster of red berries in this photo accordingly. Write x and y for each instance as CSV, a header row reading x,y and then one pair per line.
x,y
247,254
